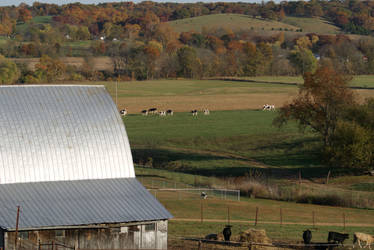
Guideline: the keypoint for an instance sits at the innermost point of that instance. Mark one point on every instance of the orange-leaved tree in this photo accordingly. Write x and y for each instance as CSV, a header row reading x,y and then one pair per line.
x,y
322,99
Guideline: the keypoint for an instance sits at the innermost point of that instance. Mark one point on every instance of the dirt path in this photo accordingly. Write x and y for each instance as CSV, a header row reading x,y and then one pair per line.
x,y
276,222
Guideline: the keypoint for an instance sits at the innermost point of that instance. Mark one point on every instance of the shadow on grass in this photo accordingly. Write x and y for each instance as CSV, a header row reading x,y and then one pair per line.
x,y
227,166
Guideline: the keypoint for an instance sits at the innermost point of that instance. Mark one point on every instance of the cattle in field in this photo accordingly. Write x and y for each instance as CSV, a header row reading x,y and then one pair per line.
x,y
169,112
144,112
162,113
268,107
152,111
227,232
307,236
194,112
206,111
337,238
211,237
362,237
123,112
203,195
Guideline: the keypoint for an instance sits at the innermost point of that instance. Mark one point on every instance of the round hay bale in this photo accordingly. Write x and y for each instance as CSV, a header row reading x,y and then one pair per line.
x,y
255,236
220,237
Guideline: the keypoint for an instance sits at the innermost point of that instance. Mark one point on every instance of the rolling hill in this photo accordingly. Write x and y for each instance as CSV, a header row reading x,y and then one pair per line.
x,y
234,22
237,22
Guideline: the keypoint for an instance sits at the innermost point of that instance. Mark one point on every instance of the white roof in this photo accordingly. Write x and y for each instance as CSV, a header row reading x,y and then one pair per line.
x,y
58,133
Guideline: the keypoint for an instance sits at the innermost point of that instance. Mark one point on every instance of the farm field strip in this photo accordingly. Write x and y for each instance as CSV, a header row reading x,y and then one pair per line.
x,y
227,21
186,95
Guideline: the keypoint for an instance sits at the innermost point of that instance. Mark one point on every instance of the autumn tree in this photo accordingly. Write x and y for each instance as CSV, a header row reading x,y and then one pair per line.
x,y
49,69
321,100
9,72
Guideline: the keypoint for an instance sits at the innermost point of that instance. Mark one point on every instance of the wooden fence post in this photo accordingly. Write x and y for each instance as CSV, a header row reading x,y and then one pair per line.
x,y
256,216
201,210
281,216
313,220
344,221
328,177
228,215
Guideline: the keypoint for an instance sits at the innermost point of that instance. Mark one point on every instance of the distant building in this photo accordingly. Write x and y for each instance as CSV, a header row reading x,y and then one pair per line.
x,y
65,160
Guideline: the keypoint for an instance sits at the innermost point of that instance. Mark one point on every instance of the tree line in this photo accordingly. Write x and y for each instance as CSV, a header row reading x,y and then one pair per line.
x,y
143,45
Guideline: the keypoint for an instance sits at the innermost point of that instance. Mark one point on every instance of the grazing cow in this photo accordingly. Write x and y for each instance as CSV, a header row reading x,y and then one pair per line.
x,y
144,112
123,112
194,112
268,107
169,112
307,236
211,237
337,238
162,113
206,112
227,232
152,110
362,237
203,195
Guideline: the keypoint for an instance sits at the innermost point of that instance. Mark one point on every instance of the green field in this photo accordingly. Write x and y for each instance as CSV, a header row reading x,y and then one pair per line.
x,y
315,25
362,81
223,142
234,22
36,20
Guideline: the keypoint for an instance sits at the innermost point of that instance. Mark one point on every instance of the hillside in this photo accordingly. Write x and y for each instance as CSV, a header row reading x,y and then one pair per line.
x,y
234,22
312,25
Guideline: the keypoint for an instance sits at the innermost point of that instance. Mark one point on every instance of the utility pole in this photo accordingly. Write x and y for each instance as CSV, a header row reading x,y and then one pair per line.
x,y
16,236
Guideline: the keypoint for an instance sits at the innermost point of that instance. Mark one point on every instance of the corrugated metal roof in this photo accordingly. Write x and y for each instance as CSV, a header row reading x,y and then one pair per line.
x,y
54,133
83,202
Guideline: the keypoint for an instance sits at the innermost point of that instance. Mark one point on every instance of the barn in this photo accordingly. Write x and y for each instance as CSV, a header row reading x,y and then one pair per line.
x,y
66,174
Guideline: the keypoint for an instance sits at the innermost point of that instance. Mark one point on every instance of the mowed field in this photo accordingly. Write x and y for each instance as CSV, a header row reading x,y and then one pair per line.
x,y
234,22
185,95
315,25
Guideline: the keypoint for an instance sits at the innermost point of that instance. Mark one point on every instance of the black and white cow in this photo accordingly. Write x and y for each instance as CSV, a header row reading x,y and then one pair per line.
x,y
123,112
152,110
194,112
144,112
169,112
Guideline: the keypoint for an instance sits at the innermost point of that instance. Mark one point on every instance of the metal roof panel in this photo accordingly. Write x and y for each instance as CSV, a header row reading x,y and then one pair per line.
x,y
80,202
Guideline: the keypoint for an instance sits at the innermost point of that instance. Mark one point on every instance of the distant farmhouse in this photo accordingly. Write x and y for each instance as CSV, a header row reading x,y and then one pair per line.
x,y
65,161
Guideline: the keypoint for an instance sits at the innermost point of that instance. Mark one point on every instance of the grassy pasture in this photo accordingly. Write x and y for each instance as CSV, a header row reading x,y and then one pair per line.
x,y
315,25
224,142
227,21
36,20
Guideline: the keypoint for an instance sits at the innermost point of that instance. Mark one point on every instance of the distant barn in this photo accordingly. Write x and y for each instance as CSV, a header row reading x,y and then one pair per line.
x,y
65,160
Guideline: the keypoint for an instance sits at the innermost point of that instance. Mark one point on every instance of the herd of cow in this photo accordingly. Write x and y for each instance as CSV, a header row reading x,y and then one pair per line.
x,y
339,238
154,111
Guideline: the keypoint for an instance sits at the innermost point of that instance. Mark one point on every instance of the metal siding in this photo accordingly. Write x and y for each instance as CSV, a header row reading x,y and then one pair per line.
x,y
83,202
55,133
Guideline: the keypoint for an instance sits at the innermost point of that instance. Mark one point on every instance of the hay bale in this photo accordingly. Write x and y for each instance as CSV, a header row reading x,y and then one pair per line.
x,y
254,235
220,237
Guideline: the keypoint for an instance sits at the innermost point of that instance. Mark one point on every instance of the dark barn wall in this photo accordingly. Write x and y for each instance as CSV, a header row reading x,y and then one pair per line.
x,y
1,239
150,235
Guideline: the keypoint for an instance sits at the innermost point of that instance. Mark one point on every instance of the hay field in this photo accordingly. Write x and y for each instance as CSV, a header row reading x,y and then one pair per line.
x,y
233,22
98,63
185,95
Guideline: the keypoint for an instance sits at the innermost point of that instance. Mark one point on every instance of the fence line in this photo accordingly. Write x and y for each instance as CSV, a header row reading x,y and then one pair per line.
x,y
223,194
249,244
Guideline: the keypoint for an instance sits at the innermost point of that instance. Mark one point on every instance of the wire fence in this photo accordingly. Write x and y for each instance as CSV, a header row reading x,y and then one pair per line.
x,y
182,191
196,193
214,244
